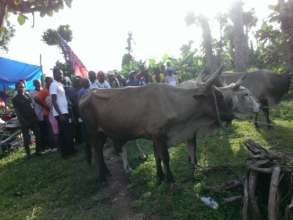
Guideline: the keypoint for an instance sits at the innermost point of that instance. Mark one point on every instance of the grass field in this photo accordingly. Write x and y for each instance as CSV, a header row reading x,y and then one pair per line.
x,y
48,187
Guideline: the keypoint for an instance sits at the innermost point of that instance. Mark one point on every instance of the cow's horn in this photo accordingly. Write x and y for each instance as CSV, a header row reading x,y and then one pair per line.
x,y
200,76
214,76
240,81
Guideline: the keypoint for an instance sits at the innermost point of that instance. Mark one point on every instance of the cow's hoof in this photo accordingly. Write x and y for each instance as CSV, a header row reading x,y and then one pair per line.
x,y
160,180
256,126
270,126
143,157
102,182
173,187
128,170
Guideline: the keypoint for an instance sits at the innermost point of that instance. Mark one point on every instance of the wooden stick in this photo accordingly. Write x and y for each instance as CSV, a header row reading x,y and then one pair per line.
x,y
287,211
273,207
251,194
232,199
261,170
245,200
224,186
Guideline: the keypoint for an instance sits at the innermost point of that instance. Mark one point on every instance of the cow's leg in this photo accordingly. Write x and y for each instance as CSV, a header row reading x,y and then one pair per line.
x,y
126,166
160,174
229,123
100,163
255,120
266,112
102,140
166,160
191,146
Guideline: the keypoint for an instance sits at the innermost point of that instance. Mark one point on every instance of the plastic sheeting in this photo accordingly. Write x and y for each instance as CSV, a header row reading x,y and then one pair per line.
x,y
12,71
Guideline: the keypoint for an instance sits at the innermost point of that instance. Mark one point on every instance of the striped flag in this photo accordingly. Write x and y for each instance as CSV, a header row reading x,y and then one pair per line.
x,y
76,64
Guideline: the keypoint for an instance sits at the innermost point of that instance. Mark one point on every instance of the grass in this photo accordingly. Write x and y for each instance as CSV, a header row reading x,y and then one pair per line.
x,y
48,187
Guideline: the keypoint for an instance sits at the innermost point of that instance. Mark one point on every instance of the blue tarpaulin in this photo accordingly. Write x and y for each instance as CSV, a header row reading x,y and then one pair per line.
x,y
12,71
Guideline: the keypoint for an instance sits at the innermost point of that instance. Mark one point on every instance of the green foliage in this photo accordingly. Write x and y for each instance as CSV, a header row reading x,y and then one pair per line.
x,y
44,7
64,67
21,19
6,33
270,52
51,37
22,7
132,65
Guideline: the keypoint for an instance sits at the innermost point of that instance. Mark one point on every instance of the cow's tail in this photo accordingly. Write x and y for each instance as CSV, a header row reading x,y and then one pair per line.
x,y
88,153
84,106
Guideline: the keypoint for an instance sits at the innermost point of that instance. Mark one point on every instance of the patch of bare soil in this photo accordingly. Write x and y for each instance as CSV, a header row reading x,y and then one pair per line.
x,y
116,189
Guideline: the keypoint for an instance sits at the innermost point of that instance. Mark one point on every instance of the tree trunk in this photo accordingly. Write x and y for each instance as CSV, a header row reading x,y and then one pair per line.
x,y
286,17
239,38
210,59
3,9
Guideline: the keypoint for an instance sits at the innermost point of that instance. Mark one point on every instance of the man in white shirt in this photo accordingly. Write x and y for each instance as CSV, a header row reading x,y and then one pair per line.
x,y
60,112
102,83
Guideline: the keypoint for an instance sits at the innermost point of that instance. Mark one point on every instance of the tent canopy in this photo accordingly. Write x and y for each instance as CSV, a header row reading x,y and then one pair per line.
x,y
12,71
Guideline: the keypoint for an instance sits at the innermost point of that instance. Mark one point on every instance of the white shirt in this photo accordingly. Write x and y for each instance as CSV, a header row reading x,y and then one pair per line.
x,y
56,88
171,80
93,85
104,85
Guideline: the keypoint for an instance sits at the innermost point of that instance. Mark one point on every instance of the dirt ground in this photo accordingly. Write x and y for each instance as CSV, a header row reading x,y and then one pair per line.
x,y
116,189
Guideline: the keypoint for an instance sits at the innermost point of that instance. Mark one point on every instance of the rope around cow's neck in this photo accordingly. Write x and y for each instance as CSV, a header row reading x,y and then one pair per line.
x,y
217,108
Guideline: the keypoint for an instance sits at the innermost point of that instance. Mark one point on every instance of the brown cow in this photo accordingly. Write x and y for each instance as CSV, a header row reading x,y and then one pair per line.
x,y
243,102
165,114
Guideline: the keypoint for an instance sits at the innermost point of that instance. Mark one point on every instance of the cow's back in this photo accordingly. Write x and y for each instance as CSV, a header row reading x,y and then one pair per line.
x,y
136,111
264,84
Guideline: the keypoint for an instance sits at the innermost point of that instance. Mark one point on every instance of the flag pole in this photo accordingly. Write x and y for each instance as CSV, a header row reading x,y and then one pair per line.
x,y
42,75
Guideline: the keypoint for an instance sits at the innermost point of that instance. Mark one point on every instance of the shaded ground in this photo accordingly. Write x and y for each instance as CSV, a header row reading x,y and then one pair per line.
x,y
117,188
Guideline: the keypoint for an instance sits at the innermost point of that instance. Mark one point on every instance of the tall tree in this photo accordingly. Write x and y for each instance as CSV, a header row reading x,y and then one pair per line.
x,y
210,60
222,19
241,57
129,63
270,52
127,58
285,10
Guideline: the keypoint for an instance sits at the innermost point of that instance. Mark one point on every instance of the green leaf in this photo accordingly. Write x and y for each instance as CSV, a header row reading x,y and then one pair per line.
x,y
21,19
50,13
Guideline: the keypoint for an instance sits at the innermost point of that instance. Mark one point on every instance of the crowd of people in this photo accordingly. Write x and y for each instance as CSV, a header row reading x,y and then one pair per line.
x,y
51,112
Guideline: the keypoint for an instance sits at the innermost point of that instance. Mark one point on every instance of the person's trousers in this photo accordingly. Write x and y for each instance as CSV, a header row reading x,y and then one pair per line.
x,y
27,138
44,132
65,136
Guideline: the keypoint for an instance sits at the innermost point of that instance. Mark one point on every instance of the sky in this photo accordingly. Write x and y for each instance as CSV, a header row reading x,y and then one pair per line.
x,y
100,30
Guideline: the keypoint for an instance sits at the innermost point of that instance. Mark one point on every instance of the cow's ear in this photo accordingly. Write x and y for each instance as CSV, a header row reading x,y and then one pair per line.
x,y
239,82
